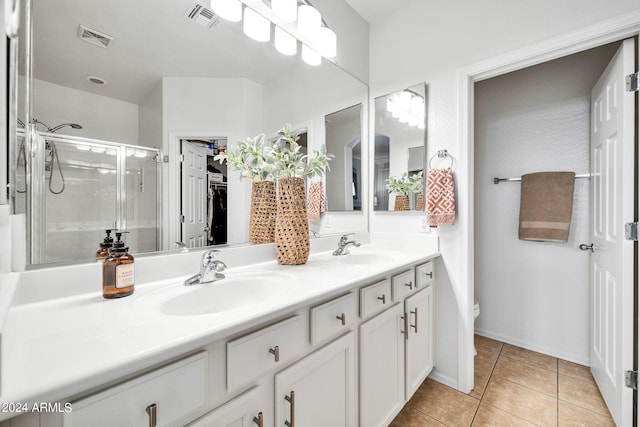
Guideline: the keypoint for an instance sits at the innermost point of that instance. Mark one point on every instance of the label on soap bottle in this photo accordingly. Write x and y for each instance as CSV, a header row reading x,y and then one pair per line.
x,y
124,275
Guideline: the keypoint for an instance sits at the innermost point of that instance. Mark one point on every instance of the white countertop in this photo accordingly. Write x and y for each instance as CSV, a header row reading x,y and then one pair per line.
x,y
58,348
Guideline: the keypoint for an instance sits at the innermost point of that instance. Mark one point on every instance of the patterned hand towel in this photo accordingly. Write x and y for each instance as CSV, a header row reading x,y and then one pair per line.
x,y
315,201
546,202
441,200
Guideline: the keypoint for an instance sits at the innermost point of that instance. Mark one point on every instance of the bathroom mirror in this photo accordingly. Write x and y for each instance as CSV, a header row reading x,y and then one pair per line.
x,y
399,151
146,76
343,134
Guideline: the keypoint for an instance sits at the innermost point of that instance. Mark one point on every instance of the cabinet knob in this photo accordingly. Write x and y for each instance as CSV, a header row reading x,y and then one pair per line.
x,y
383,298
276,353
152,410
410,284
342,318
291,398
259,420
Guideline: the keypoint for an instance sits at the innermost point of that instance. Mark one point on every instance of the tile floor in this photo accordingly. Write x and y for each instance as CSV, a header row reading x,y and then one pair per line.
x,y
514,387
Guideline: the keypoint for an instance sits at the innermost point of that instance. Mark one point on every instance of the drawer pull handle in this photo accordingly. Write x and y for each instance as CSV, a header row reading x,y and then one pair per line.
x,y
342,319
259,420
409,285
405,319
276,353
152,410
415,319
383,298
429,274
291,398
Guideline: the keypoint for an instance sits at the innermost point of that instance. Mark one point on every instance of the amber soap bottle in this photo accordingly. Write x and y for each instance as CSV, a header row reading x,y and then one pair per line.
x,y
117,271
103,252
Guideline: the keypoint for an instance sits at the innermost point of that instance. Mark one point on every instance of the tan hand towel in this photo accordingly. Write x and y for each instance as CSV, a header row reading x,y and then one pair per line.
x,y
546,202
315,201
441,200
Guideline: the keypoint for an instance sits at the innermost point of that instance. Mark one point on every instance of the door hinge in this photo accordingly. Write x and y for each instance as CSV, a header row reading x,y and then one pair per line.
x,y
162,158
631,379
633,82
631,231
181,158
181,219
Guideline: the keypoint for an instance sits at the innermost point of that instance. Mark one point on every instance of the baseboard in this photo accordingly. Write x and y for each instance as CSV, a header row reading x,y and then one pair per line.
x,y
544,350
443,379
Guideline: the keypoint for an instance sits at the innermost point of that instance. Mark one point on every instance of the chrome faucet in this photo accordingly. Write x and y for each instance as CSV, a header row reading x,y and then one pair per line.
x,y
210,269
344,244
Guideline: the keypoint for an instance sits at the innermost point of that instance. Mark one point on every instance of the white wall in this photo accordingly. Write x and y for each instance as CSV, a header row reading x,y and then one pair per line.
x,y
431,42
102,118
534,294
150,118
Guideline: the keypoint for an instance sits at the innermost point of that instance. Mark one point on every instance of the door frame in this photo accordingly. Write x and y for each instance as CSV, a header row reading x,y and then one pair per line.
x,y
595,35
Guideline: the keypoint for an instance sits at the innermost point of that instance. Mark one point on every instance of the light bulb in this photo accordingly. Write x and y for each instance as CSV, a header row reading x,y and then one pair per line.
x,y
231,10
309,21
391,107
405,100
310,56
417,106
287,10
285,43
256,26
327,42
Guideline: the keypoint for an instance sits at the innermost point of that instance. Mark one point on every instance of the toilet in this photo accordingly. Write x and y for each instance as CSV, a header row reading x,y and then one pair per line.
x,y
476,313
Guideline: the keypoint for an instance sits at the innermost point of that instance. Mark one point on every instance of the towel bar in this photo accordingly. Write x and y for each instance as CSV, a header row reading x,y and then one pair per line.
x,y
497,180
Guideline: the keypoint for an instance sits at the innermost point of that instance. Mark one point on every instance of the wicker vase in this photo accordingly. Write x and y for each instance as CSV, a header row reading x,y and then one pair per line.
x,y
262,218
292,223
402,202
420,202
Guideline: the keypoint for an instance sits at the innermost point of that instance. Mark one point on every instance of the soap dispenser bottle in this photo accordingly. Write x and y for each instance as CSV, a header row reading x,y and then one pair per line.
x,y
103,252
117,271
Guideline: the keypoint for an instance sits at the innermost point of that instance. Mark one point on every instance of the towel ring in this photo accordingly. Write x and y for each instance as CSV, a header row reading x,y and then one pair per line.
x,y
441,154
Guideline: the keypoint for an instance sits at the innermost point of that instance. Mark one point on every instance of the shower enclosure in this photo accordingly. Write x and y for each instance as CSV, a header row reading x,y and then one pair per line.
x,y
73,189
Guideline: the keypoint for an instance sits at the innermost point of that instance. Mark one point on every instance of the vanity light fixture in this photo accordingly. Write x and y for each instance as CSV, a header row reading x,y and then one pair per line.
x,y
408,107
292,23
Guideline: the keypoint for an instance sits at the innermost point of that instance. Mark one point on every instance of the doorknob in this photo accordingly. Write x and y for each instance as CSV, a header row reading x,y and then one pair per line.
x,y
585,247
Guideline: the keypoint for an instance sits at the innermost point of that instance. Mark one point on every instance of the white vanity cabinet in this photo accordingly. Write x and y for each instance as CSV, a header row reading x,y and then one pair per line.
x,y
250,409
319,390
419,342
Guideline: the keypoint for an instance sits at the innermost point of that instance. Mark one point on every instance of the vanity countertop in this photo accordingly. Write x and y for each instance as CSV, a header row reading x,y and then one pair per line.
x,y
58,348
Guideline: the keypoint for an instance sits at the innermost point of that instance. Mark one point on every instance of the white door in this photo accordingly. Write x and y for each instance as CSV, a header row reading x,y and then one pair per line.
x,y
612,195
194,195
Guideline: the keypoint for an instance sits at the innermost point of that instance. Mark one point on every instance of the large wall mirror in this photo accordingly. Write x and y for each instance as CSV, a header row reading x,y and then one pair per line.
x,y
399,151
119,101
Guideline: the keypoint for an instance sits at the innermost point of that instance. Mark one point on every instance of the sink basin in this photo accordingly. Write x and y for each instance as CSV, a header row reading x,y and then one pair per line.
x,y
237,291
363,258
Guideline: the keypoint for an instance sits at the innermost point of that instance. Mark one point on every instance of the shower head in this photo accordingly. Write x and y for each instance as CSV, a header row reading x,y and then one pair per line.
x,y
57,128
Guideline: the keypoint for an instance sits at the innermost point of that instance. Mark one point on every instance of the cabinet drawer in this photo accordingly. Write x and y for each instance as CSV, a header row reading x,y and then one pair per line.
x,y
424,274
252,355
176,390
333,317
402,284
375,298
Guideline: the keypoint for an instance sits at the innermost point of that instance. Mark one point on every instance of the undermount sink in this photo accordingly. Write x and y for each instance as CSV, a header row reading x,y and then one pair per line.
x,y
236,291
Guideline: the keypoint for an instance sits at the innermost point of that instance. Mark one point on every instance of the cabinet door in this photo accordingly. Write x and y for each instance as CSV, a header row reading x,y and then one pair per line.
x,y
382,367
419,345
245,410
319,390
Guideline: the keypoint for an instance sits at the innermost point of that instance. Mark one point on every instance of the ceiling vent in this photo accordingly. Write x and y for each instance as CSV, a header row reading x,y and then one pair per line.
x,y
199,13
94,37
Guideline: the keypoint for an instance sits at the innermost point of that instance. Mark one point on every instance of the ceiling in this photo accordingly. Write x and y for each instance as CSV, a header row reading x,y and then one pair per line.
x,y
375,10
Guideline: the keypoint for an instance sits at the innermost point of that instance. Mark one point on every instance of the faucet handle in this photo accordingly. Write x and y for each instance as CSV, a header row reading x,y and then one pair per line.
x,y
345,237
208,257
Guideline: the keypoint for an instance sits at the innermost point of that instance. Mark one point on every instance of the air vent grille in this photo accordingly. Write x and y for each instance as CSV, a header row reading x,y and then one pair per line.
x,y
199,13
94,37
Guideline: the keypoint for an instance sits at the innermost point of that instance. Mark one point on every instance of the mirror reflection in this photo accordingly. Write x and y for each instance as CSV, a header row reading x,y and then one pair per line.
x,y
179,85
399,152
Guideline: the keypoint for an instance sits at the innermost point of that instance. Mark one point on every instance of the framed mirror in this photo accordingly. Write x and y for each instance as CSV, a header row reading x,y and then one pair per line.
x,y
399,151
168,79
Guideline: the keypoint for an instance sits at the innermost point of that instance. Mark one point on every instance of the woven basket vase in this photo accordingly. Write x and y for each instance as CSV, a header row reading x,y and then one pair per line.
x,y
292,223
420,202
262,218
402,202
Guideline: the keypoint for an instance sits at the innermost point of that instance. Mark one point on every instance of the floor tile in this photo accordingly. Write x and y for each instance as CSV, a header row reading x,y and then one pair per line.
x,y
533,406
573,370
445,404
581,393
411,417
491,416
574,416
532,357
527,375
483,365
487,344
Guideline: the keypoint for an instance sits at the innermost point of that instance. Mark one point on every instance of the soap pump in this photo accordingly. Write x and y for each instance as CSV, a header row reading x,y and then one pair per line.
x,y
117,270
103,252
